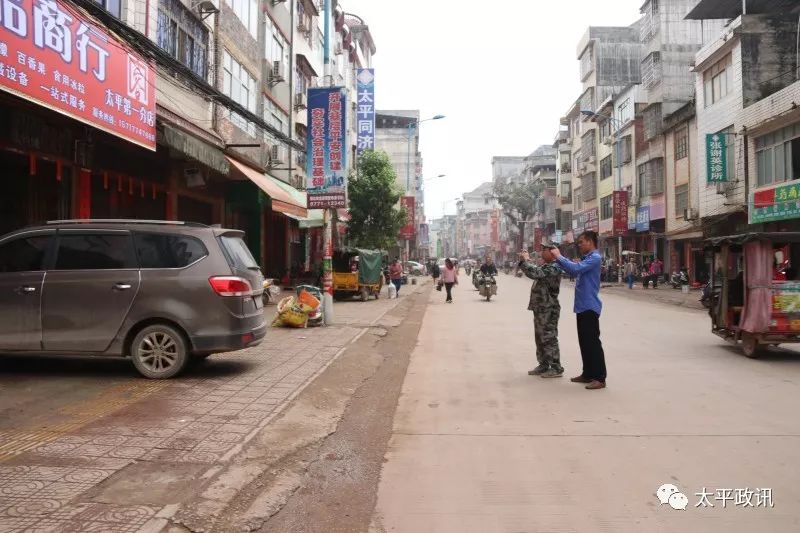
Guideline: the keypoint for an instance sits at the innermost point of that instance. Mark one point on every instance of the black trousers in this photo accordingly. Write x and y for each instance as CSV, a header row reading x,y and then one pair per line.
x,y
594,359
449,288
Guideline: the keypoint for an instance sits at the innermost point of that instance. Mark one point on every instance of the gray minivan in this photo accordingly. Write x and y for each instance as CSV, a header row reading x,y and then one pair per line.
x,y
157,292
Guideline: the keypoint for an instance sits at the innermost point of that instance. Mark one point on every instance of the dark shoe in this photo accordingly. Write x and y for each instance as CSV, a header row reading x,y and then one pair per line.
x,y
552,373
538,371
594,385
580,379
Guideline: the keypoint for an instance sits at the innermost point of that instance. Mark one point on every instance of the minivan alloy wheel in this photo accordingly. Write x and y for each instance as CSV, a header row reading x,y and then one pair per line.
x,y
159,351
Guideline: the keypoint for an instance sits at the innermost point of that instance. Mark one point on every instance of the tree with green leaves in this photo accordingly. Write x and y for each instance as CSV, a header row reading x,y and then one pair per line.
x,y
375,217
518,201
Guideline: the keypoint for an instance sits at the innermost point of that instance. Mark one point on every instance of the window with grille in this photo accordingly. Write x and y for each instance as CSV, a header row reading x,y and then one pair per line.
x,y
566,191
650,178
778,155
653,122
182,36
240,86
718,81
605,168
681,199
577,199
627,149
589,145
607,207
589,187
682,143
652,72
566,220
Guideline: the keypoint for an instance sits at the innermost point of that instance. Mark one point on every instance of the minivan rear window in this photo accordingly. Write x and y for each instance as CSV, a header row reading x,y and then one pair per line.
x,y
238,253
163,250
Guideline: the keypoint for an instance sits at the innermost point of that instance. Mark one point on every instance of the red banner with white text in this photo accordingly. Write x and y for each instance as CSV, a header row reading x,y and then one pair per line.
x,y
408,231
54,55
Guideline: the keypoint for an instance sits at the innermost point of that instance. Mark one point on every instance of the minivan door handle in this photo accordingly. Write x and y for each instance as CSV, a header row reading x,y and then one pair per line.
x,y
26,289
122,286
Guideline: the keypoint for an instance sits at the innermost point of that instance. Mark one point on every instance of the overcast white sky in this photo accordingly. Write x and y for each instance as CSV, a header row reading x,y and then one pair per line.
x,y
502,71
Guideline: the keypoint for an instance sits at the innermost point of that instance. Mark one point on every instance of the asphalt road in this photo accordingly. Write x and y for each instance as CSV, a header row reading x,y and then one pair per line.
x,y
480,446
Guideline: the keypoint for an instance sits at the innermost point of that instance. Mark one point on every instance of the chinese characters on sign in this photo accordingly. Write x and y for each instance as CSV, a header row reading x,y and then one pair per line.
x,y
327,146
620,211
716,158
365,115
407,232
589,220
53,55
778,203
643,219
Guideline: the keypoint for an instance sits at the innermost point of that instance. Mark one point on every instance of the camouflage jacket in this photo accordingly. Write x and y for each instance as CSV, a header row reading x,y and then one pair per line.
x,y
546,285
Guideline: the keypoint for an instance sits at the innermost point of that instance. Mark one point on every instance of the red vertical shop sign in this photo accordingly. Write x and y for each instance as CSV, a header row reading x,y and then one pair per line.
x,y
408,231
85,194
620,211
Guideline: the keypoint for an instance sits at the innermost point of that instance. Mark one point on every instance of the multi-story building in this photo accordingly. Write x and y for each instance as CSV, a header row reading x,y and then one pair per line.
x,y
540,173
669,44
747,93
397,134
610,60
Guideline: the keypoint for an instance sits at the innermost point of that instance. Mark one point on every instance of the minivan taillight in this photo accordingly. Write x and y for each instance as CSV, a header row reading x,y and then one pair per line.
x,y
230,286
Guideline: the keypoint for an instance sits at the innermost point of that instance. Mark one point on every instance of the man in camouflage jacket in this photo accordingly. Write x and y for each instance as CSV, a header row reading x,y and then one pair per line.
x,y
546,312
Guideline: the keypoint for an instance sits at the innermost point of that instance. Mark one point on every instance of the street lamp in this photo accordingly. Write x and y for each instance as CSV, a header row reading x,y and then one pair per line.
x,y
411,128
617,147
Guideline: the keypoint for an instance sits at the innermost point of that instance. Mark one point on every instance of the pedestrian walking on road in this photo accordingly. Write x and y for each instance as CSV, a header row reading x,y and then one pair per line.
x,y
587,309
656,271
546,312
396,275
630,273
435,272
449,278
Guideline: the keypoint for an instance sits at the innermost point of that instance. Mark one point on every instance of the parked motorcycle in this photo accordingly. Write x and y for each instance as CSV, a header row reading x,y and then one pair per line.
x,y
487,287
679,279
271,291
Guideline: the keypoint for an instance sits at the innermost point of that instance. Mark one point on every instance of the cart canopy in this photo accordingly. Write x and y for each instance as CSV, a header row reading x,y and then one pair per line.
x,y
370,266
742,238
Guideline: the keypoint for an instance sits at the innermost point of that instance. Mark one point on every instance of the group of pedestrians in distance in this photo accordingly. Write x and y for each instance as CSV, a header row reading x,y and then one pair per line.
x,y
650,272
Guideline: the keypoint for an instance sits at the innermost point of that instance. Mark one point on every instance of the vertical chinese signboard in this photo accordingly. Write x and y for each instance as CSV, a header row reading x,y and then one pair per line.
x,y
327,148
54,55
365,109
620,211
716,158
407,232
643,219
777,203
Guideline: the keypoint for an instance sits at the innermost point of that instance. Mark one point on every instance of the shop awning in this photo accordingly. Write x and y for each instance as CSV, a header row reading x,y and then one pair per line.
x,y
315,219
282,201
194,148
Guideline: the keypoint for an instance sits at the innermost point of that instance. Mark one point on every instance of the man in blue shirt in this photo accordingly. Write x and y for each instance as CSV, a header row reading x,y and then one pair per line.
x,y
587,309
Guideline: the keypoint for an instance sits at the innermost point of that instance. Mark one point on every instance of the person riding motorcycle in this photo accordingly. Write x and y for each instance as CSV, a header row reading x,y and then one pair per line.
x,y
488,268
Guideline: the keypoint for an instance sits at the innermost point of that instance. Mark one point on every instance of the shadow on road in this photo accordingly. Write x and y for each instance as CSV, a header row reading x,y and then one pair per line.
x,y
773,354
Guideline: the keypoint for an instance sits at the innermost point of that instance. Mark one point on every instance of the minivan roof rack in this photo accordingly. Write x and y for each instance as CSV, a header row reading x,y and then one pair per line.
x,y
126,221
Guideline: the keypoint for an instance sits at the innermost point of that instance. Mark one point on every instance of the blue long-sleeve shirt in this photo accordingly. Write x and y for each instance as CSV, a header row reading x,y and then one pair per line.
x,y
587,287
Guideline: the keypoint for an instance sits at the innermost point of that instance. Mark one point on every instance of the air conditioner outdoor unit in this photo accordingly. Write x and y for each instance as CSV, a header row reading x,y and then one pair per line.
x,y
276,74
689,214
300,101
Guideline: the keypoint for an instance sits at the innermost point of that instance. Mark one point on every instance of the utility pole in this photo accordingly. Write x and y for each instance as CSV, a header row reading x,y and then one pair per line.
x,y
327,232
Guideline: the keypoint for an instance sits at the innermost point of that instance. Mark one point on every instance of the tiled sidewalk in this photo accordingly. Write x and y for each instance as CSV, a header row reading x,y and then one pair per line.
x,y
202,419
